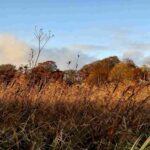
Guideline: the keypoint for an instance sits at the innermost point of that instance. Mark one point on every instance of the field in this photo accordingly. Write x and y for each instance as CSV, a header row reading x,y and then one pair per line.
x,y
75,75
80,124
103,106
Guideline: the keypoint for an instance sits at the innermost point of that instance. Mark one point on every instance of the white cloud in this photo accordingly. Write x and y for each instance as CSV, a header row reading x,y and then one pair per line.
x,y
141,46
13,50
88,47
16,51
136,55
62,55
138,52
132,44
147,60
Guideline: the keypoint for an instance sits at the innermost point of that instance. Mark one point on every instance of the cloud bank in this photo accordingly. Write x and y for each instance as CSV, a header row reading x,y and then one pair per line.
x,y
13,50
132,44
63,55
138,52
16,51
88,47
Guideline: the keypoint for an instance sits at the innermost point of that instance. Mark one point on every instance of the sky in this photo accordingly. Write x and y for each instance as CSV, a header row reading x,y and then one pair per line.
x,y
93,28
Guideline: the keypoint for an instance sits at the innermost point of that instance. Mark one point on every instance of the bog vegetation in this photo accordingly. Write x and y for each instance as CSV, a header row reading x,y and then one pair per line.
x,y
105,124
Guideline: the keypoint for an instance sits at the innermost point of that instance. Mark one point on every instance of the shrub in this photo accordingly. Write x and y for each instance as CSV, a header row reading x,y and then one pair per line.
x,y
130,62
38,73
87,69
123,71
98,75
43,74
100,70
7,72
138,74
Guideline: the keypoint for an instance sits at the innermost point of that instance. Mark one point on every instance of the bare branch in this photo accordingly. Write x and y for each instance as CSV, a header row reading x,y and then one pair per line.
x,y
42,39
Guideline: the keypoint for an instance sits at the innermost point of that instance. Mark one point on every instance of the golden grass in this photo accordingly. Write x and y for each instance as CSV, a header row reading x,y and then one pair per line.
x,y
73,125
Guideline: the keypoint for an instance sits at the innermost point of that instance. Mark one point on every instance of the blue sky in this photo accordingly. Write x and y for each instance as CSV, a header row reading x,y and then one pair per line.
x,y
108,27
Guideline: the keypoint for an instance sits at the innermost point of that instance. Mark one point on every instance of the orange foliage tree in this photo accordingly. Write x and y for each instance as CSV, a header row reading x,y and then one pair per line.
x,y
124,71
100,70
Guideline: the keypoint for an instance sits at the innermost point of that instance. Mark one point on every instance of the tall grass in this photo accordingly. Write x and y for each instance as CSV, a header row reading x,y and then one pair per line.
x,y
76,125
146,144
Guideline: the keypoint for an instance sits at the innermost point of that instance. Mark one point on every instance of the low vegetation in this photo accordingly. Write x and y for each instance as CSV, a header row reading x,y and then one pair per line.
x,y
88,124
74,125
97,73
7,73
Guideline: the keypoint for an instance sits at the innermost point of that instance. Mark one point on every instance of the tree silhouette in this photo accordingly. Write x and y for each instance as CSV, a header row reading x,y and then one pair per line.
x,y
42,39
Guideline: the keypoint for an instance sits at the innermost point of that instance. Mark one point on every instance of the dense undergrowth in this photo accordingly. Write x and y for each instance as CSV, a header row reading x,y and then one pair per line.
x,y
42,109
77,125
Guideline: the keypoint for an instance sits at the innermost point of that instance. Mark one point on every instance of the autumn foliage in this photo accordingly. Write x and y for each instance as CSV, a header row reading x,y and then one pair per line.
x,y
42,75
75,117
112,69
7,72
122,71
96,73
99,71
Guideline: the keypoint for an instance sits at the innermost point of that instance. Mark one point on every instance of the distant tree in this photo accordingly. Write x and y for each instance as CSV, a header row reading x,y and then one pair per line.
x,y
31,58
98,75
109,62
122,71
100,70
7,72
138,74
42,39
129,61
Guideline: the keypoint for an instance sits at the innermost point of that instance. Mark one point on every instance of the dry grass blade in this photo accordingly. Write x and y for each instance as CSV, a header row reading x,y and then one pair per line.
x,y
146,144
136,143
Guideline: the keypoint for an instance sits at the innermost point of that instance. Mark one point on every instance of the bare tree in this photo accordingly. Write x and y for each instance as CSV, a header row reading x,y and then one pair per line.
x,y
31,58
42,39
76,65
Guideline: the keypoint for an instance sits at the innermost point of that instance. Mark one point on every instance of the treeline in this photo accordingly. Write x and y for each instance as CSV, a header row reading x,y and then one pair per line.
x,y
112,69
96,73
